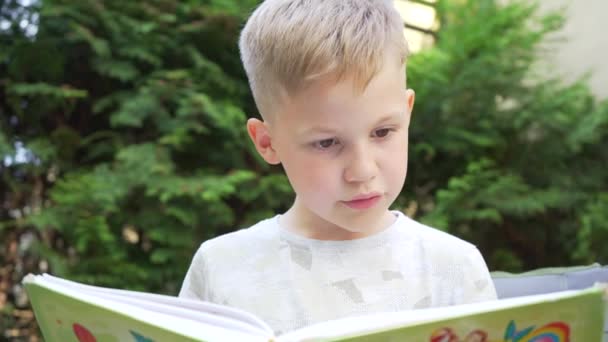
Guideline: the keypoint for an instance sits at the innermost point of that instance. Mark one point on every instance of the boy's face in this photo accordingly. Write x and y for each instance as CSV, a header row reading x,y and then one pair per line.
x,y
344,152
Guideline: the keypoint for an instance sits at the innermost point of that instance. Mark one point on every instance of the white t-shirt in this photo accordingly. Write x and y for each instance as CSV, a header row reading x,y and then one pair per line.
x,y
290,281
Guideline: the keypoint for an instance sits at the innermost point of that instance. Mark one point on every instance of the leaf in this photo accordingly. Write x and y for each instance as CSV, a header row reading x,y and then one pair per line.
x,y
98,45
5,147
133,112
162,256
121,70
44,89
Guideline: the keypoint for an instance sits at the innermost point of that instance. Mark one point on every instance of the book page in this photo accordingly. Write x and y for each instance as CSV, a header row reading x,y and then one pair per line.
x,y
228,317
197,316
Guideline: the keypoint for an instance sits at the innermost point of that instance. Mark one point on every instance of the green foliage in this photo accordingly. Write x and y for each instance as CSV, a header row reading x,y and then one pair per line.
x,y
502,155
43,89
5,148
136,138
593,231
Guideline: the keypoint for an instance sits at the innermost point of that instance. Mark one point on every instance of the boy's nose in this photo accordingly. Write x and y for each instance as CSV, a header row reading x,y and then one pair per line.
x,y
361,166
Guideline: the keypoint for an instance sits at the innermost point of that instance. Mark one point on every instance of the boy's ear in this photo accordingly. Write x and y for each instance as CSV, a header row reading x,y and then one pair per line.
x,y
260,135
411,97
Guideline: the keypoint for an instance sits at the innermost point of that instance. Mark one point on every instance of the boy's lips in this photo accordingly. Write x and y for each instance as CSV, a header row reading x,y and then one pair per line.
x,y
363,201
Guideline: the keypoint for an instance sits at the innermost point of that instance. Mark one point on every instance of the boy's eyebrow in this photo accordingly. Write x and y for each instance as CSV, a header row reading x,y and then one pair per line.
x,y
321,129
390,116
318,129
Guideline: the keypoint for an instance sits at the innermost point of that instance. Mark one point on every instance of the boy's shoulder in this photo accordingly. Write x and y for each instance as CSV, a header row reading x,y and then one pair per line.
x,y
436,240
261,235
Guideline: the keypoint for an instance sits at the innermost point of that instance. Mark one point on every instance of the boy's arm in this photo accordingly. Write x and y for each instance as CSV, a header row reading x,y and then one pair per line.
x,y
478,284
195,281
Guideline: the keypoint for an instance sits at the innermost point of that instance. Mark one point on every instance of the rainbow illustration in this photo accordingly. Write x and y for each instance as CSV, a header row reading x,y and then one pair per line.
x,y
552,332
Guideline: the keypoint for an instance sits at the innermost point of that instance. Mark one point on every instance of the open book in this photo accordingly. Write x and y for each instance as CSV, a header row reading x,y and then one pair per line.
x,y
69,311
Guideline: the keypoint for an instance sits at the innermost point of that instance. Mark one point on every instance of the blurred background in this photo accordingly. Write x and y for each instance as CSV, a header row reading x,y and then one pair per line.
x,y
123,142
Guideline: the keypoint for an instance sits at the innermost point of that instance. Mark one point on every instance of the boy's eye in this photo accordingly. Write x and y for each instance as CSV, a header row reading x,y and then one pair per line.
x,y
325,143
381,133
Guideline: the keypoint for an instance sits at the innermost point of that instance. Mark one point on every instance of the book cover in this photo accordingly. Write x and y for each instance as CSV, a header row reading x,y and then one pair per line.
x,y
85,314
84,318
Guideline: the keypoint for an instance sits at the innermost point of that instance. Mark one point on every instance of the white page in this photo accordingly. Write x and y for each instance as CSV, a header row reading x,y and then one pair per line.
x,y
198,316
186,327
219,311
386,321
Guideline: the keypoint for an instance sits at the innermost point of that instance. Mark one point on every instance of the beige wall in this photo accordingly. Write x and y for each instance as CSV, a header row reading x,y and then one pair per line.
x,y
586,45
582,49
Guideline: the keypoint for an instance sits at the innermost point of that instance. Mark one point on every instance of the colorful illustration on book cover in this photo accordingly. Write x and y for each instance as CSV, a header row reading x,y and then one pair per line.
x,y
140,338
552,332
84,335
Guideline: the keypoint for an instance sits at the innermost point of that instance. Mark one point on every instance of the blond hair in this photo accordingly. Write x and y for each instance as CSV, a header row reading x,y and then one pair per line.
x,y
287,44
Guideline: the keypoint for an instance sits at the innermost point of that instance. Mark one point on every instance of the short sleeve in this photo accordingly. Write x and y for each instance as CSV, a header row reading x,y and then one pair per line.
x,y
195,285
479,286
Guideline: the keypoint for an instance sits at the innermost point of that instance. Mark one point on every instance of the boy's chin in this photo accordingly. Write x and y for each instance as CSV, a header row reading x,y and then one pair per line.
x,y
366,223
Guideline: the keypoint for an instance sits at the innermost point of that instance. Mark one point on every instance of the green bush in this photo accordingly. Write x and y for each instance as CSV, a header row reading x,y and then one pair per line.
x,y
134,114
503,155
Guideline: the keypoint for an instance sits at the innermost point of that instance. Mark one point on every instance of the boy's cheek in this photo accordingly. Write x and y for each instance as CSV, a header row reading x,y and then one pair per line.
x,y
314,177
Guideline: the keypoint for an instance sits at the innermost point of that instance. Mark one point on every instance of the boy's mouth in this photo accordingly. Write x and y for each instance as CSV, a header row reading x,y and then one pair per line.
x,y
364,201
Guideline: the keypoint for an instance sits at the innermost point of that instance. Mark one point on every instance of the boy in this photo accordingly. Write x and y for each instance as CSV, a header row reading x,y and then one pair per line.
x,y
328,77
